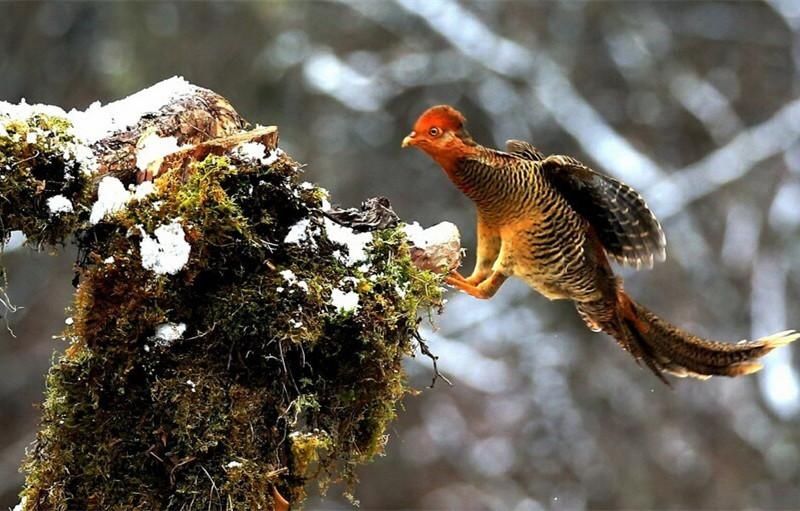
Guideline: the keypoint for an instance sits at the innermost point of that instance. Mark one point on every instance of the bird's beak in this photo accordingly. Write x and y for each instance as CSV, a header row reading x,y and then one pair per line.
x,y
409,140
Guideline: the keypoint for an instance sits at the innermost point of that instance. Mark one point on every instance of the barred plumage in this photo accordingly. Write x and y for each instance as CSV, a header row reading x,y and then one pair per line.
x,y
554,222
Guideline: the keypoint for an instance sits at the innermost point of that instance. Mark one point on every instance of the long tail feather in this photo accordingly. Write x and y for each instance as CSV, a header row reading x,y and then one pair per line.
x,y
666,348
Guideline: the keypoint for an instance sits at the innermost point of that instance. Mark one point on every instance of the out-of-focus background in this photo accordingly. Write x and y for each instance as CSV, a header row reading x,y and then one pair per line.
x,y
693,103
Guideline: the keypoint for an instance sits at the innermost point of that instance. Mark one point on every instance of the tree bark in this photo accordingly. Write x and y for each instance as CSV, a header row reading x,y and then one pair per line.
x,y
231,334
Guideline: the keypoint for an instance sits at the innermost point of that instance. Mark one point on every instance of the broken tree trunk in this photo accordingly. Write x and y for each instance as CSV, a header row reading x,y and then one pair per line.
x,y
232,337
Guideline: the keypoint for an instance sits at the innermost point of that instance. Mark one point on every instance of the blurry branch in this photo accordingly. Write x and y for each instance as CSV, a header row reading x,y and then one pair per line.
x,y
706,103
788,11
733,161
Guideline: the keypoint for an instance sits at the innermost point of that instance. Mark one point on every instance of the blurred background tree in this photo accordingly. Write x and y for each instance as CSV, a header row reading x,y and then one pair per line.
x,y
694,103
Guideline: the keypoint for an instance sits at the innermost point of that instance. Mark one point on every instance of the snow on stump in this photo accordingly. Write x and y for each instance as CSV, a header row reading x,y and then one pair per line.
x,y
230,335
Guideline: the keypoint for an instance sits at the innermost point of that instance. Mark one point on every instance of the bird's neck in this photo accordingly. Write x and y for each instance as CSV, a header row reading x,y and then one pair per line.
x,y
494,184
453,164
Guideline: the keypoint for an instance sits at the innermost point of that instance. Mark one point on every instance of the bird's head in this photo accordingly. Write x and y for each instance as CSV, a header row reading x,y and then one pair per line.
x,y
440,132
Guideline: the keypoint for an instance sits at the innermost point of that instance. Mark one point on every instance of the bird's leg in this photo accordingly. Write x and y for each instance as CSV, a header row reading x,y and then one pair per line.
x,y
486,253
486,289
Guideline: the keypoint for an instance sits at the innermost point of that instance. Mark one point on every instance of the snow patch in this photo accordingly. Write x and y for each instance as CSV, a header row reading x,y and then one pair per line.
x,y
256,152
344,301
59,204
356,242
438,234
111,197
85,158
233,464
168,252
436,248
25,111
98,121
292,280
143,189
167,333
152,148
298,232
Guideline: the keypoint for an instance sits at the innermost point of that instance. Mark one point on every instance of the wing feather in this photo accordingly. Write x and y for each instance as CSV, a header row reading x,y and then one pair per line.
x,y
628,230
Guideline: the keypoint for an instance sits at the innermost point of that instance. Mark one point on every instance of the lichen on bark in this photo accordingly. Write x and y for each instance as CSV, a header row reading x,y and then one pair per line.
x,y
238,373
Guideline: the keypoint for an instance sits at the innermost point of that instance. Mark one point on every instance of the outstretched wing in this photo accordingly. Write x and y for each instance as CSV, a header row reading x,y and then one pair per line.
x,y
628,230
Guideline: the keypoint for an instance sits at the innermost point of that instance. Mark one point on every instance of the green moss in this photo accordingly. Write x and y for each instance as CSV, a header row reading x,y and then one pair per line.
x,y
269,387
38,161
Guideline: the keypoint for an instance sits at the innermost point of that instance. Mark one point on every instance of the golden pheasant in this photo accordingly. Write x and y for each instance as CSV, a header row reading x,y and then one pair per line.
x,y
554,223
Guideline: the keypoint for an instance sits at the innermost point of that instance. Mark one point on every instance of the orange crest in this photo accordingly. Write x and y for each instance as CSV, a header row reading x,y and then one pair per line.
x,y
442,116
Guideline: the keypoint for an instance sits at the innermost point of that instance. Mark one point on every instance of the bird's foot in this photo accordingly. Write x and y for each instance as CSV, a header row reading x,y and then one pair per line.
x,y
484,290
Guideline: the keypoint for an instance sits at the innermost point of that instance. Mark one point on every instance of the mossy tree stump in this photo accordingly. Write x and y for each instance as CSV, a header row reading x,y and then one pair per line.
x,y
227,338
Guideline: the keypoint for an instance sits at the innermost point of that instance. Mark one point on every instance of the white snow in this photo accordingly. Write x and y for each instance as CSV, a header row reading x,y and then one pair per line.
x,y
170,331
59,204
356,242
344,302
298,232
109,260
292,280
143,189
21,505
168,252
69,321
438,234
233,464
98,122
436,248
256,152
152,148
24,111
111,197
31,137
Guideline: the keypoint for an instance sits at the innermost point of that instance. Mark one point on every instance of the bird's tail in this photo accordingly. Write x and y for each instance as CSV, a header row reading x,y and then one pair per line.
x,y
666,348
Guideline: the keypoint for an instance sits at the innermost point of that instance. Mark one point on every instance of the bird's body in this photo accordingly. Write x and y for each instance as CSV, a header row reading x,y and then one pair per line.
x,y
554,223
518,233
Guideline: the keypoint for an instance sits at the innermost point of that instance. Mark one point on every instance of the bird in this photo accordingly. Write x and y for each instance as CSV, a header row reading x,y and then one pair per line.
x,y
557,224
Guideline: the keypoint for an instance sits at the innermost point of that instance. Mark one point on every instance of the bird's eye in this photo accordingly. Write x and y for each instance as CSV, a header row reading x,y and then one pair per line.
x,y
434,132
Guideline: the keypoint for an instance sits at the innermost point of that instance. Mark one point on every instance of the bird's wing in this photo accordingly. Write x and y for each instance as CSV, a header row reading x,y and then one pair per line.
x,y
628,230
523,150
